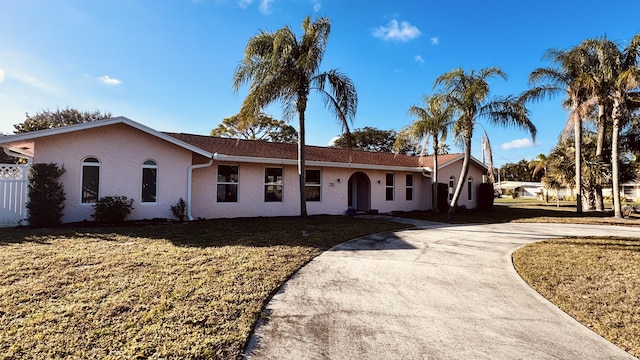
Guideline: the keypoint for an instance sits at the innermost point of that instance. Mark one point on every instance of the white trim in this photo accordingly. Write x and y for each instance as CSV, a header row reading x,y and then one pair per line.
x,y
100,123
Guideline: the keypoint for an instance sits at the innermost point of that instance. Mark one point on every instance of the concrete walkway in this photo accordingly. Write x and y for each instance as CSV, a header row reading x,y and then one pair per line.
x,y
438,291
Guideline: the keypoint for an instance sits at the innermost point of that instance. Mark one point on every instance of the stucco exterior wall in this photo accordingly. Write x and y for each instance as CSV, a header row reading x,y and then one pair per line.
x,y
454,170
121,150
334,195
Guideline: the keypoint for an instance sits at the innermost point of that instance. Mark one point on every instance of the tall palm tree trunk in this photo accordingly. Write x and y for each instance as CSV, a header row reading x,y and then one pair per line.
x,y
578,147
463,175
599,150
434,185
618,113
301,156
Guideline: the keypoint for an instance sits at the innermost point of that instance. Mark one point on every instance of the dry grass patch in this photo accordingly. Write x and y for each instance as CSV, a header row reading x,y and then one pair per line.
x,y
166,291
597,281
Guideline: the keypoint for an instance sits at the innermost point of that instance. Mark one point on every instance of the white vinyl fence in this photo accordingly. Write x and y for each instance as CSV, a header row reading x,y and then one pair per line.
x,y
13,193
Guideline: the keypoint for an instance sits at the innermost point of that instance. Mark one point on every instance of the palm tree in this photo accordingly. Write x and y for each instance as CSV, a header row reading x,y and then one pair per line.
x,y
280,66
566,76
539,164
467,93
432,122
626,77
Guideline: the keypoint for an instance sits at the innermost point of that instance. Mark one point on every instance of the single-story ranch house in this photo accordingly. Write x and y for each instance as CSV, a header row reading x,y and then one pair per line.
x,y
220,178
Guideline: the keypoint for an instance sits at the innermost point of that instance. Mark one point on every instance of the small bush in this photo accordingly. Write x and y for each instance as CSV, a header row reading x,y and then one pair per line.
x,y
112,209
46,195
179,210
443,197
485,196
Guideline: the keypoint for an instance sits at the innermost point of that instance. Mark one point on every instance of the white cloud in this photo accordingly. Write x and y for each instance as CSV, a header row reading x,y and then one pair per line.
x,y
109,81
265,7
419,59
333,140
244,3
434,40
1,75
402,31
316,5
517,144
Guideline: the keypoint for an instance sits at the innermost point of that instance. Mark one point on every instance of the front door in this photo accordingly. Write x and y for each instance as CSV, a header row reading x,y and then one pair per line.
x,y
359,188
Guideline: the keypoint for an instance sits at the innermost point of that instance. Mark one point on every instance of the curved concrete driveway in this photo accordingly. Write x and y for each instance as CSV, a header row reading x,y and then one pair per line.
x,y
438,291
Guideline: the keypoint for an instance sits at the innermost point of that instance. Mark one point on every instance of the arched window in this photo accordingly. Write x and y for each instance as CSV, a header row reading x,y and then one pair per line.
x,y
149,181
452,183
469,188
90,180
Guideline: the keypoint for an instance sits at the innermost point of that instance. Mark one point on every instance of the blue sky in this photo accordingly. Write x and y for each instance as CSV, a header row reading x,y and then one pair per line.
x,y
169,64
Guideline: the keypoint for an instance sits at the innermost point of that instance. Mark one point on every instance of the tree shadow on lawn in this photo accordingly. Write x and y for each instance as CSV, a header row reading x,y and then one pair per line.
x,y
321,231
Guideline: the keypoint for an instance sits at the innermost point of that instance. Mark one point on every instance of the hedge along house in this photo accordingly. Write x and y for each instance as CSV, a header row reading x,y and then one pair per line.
x,y
221,178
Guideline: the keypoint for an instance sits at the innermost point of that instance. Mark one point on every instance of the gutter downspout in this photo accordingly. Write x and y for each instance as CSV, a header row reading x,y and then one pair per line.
x,y
189,185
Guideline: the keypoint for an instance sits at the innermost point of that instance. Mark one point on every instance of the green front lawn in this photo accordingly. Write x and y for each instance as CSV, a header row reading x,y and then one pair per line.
x,y
164,291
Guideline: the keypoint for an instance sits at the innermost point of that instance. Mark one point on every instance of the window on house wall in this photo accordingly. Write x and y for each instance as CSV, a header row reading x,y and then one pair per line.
x,y
273,184
90,180
312,185
149,181
228,183
452,181
470,188
389,187
409,187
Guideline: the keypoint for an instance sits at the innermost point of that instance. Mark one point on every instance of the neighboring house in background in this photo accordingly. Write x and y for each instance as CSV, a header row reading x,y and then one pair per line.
x,y
220,178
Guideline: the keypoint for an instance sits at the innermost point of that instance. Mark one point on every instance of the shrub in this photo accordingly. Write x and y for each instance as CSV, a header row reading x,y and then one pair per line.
x,y
443,197
179,210
112,209
46,195
485,196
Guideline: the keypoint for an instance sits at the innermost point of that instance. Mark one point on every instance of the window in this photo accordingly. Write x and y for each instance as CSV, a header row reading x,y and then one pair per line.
x,y
273,184
452,181
409,187
389,187
312,185
90,180
149,181
227,183
470,188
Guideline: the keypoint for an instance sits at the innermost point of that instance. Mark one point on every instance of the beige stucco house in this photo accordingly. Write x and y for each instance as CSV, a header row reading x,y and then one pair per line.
x,y
221,178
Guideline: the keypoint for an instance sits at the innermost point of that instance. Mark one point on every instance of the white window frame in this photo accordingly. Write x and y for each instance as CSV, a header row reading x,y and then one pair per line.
x,y
146,165
452,186
226,183
276,183
388,187
98,164
409,187
309,185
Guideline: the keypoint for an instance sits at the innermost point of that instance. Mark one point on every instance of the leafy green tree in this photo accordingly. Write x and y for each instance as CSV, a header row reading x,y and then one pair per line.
x,y
369,139
468,94
279,66
432,122
520,171
48,119
263,128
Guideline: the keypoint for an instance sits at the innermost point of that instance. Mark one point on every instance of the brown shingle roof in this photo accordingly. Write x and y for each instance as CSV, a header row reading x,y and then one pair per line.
x,y
265,149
